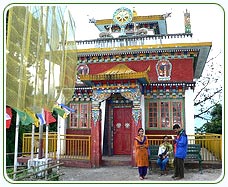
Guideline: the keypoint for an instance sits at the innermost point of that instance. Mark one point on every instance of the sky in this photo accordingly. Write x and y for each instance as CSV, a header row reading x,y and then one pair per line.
x,y
207,24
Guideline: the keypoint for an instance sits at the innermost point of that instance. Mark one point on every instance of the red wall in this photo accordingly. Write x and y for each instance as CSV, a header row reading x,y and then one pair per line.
x,y
182,69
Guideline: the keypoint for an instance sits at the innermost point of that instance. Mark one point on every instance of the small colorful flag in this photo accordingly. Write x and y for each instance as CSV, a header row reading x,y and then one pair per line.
x,y
49,117
67,108
41,117
33,116
25,119
58,110
8,117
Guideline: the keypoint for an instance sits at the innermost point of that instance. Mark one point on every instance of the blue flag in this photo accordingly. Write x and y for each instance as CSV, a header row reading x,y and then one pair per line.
x,y
67,108
41,118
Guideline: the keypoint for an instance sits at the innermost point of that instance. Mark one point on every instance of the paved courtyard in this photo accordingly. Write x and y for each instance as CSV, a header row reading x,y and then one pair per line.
x,y
126,174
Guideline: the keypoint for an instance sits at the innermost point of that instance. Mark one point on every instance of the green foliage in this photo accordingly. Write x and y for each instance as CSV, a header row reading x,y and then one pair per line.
x,y
215,124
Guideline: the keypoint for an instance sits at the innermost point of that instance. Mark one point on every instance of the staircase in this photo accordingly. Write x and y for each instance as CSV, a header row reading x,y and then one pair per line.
x,y
116,160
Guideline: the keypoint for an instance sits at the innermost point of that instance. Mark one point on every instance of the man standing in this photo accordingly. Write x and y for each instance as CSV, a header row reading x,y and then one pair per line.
x,y
180,152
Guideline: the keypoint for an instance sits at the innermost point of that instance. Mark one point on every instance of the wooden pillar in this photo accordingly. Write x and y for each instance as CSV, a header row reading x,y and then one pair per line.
x,y
96,156
136,124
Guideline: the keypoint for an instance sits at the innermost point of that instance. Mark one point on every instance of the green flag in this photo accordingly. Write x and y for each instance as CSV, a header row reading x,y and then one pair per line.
x,y
25,119
61,112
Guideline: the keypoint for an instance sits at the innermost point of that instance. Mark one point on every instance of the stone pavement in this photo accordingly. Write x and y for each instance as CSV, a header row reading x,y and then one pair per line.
x,y
125,174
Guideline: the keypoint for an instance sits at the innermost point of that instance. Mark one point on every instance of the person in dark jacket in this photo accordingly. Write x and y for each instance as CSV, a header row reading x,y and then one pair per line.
x,y
180,152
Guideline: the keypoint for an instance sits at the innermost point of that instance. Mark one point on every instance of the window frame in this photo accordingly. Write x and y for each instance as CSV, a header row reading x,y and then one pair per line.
x,y
159,112
78,107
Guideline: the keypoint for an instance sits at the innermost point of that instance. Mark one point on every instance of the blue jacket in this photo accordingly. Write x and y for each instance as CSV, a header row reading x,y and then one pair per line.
x,y
181,144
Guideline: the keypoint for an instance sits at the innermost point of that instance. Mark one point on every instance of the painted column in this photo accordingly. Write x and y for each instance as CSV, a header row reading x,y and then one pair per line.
x,y
143,112
96,155
137,123
102,107
189,112
137,119
96,135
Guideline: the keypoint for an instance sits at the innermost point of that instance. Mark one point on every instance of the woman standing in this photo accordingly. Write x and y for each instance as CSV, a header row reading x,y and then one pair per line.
x,y
141,153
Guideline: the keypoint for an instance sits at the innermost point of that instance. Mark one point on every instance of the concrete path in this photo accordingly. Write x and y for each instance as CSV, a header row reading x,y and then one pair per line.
x,y
126,174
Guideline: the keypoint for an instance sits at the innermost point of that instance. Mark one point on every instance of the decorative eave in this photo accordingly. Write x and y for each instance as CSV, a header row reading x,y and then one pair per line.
x,y
198,51
118,72
167,90
135,19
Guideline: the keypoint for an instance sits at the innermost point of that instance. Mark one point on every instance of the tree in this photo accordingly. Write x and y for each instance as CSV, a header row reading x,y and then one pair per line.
x,y
215,124
209,88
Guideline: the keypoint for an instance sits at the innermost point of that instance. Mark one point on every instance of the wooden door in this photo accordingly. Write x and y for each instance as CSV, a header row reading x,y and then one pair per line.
x,y
122,122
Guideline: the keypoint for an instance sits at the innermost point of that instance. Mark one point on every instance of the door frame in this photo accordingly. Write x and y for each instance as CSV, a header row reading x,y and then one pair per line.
x,y
130,133
109,136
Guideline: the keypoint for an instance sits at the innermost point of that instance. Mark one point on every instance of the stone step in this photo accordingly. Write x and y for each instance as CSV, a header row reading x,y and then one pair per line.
x,y
118,160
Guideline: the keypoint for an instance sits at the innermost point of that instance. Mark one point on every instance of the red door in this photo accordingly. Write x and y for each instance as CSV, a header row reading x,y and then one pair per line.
x,y
122,121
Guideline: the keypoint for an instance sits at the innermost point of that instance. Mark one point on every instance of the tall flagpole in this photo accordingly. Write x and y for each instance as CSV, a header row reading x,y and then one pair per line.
x,y
16,145
58,141
46,148
46,152
32,144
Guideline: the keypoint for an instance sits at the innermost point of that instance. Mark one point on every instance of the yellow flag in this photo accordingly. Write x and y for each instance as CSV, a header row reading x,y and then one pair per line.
x,y
33,116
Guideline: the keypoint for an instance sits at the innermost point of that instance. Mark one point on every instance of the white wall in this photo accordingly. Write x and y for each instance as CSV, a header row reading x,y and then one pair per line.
x,y
189,112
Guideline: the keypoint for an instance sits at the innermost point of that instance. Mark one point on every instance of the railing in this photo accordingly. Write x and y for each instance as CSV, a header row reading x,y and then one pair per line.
x,y
71,146
68,146
129,41
38,171
211,144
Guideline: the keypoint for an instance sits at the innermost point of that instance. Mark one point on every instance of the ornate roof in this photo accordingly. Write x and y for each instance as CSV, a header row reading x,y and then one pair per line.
x,y
118,72
119,69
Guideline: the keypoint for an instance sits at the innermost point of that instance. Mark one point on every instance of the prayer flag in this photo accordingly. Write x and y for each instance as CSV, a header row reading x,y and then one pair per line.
x,y
8,117
33,116
58,110
48,117
41,118
67,108
25,119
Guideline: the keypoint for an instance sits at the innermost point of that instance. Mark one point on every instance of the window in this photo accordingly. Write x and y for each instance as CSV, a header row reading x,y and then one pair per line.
x,y
177,112
163,114
153,115
83,115
81,118
74,116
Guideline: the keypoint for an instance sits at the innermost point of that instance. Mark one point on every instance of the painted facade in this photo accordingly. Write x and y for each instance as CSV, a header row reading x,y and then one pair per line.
x,y
134,75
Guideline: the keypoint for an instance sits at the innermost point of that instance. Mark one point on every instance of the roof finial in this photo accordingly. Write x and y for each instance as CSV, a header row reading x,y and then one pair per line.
x,y
187,22
134,12
91,20
167,14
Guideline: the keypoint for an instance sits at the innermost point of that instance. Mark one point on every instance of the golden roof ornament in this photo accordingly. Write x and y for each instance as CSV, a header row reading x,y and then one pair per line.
x,y
134,12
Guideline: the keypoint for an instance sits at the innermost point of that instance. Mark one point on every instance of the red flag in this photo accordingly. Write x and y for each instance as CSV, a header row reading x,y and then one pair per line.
x,y
48,117
8,121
